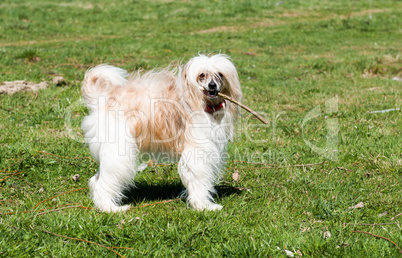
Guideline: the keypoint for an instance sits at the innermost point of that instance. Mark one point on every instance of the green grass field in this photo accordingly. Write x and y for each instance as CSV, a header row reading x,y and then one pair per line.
x,y
315,69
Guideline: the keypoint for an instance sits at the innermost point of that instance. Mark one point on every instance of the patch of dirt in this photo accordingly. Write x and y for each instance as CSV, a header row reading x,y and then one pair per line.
x,y
15,86
267,23
215,29
371,11
302,17
291,14
364,12
47,41
79,5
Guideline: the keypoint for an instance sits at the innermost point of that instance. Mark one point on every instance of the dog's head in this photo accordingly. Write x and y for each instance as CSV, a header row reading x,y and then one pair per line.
x,y
210,83
206,76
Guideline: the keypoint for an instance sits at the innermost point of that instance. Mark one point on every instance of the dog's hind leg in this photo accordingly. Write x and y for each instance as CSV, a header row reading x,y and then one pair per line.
x,y
111,143
198,173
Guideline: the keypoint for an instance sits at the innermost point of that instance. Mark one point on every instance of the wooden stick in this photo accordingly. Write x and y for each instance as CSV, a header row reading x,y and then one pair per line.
x,y
351,9
244,107
4,169
74,190
396,216
63,208
375,224
241,105
10,176
64,157
278,166
368,233
83,240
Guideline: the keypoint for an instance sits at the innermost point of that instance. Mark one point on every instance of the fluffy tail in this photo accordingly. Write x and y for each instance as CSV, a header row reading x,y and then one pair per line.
x,y
99,81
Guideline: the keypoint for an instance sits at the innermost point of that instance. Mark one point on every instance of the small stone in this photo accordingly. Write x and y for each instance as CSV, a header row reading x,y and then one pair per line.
x,y
357,206
236,175
327,234
76,177
58,81
383,214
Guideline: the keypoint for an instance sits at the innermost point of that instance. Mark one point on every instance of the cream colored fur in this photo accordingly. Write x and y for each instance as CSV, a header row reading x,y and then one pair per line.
x,y
159,112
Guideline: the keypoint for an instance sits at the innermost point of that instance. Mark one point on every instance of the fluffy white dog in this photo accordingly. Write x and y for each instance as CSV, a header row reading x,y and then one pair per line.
x,y
173,112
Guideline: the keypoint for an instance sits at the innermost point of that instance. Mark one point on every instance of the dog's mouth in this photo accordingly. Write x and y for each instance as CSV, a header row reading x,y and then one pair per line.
x,y
211,93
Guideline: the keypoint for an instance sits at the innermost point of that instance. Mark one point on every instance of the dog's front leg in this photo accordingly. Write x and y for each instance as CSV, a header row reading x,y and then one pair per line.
x,y
198,172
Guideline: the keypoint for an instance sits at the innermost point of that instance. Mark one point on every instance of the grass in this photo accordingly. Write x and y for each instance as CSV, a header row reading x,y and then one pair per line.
x,y
292,57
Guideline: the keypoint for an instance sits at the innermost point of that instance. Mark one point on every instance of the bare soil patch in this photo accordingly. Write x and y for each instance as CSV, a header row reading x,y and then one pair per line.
x,y
11,87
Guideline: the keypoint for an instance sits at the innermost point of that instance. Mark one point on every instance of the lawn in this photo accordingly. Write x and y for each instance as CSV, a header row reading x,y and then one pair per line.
x,y
323,178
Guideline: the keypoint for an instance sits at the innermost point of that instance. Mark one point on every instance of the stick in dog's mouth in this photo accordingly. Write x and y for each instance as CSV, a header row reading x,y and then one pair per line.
x,y
210,94
237,103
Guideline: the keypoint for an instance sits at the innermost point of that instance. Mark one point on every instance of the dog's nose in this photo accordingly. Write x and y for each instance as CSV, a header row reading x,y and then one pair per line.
x,y
212,85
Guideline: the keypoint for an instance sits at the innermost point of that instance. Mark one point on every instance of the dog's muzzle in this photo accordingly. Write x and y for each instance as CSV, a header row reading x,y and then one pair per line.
x,y
212,91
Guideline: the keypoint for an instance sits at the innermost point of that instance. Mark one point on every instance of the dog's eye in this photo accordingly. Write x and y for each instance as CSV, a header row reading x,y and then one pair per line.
x,y
202,76
220,75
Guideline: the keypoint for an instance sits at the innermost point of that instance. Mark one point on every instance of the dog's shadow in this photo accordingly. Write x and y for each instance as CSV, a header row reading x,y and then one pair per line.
x,y
146,192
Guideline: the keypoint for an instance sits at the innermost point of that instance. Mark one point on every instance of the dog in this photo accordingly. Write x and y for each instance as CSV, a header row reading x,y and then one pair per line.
x,y
174,113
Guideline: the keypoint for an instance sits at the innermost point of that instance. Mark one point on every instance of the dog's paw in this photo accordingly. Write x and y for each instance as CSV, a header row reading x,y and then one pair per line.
x,y
123,208
115,208
213,207
208,207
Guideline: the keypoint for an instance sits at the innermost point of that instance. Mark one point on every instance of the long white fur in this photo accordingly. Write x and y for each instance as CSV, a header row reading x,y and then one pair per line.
x,y
112,142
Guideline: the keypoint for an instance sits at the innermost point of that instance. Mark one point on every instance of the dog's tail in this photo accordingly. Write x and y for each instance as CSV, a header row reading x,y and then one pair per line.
x,y
100,81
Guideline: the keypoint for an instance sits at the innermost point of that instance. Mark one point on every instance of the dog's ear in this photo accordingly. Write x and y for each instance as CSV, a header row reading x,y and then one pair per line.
x,y
231,80
191,93
232,89
184,71
229,75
